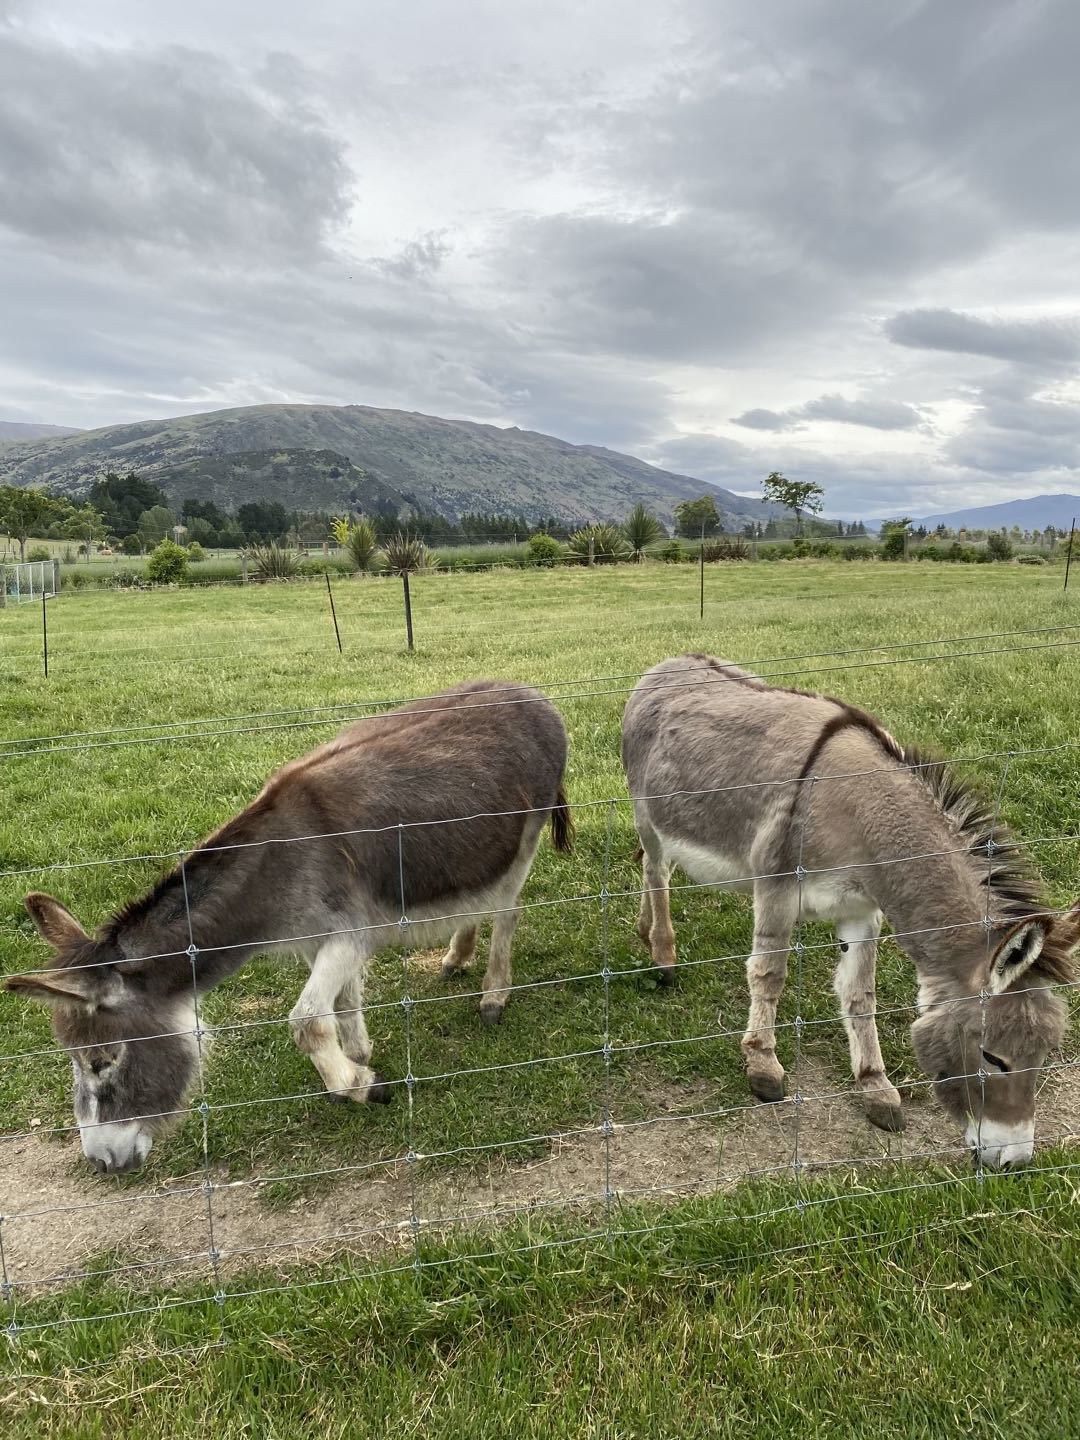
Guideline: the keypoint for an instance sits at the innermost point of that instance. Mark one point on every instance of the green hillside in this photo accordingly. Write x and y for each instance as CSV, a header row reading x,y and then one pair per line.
x,y
450,466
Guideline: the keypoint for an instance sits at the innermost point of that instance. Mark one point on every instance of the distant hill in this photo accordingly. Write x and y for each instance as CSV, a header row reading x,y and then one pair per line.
x,y
324,478
450,466
15,430
1035,513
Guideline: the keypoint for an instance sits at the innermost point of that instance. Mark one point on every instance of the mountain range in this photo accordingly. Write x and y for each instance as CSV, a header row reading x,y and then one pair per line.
x,y
1035,513
333,456
12,431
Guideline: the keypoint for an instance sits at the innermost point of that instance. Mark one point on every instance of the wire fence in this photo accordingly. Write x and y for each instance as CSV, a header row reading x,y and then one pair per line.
x,y
582,1157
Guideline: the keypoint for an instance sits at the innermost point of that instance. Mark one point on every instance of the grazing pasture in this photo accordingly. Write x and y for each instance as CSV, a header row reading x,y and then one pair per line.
x,y
168,710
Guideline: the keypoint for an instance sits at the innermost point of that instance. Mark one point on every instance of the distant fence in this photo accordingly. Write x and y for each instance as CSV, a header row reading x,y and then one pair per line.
x,y
29,580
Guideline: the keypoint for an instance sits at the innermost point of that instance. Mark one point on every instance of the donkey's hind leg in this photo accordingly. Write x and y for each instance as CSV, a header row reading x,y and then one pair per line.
x,y
497,975
855,988
656,905
462,950
775,913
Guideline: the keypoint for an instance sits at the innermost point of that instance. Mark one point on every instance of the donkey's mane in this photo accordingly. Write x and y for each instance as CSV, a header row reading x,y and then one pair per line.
x,y
1004,867
211,853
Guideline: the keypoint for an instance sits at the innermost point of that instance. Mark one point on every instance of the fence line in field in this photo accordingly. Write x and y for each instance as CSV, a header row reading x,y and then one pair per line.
x,y
23,748
600,1206
552,690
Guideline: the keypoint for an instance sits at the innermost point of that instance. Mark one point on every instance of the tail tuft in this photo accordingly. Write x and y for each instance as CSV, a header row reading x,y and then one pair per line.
x,y
562,824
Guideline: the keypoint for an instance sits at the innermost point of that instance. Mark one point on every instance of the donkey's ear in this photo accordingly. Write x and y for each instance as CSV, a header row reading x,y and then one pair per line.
x,y
79,984
55,922
1018,951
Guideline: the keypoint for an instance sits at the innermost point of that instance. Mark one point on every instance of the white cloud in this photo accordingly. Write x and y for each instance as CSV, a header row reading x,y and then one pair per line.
x,y
833,238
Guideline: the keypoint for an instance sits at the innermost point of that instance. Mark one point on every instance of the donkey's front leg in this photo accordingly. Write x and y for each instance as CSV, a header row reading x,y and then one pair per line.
x,y
766,970
314,1022
352,1030
497,975
855,989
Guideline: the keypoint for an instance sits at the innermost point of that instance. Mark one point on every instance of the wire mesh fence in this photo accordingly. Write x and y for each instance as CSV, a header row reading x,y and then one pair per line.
x,y
572,1120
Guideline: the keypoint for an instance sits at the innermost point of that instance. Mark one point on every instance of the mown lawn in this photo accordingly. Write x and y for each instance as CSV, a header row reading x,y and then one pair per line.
x,y
937,1312
191,662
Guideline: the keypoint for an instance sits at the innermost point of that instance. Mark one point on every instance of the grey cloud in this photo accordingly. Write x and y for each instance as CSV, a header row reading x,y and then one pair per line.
x,y
876,414
174,148
764,419
416,260
1030,342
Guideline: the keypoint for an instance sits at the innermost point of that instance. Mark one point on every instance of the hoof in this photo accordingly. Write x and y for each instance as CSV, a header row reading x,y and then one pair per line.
x,y
379,1092
339,1097
665,976
447,971
491,1013
884,1116
767,1087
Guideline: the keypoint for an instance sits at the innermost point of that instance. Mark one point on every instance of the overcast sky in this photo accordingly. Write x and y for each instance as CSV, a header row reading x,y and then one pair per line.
x,y
836,237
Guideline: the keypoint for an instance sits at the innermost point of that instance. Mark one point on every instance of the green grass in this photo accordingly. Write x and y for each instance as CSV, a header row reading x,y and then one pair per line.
x,y
938,1312
170,658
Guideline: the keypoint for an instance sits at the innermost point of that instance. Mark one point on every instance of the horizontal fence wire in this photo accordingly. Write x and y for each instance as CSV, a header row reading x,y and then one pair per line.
x,y
603,1207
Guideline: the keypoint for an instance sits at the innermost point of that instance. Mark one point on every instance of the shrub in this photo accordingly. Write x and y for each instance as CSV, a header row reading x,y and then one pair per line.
x,y
195,553
125,580
642,529
860,552
543,550
893,544
726,547
1032,560
998,546
271,562
75,580
402,553
131,545
672,553
167,564
609,544
361,544
39,552
68,556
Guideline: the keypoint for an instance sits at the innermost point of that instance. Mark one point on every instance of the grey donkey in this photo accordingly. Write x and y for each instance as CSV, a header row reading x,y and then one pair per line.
x,y
812,806
411,825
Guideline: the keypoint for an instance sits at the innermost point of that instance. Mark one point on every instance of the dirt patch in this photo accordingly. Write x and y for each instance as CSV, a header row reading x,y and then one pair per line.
x,y
58,1216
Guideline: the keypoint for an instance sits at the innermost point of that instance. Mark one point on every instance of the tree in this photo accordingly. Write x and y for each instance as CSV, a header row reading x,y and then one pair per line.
x,y
642,529
156,523
263,520
695,517
894,535
999,546
24,512
121,499
799,496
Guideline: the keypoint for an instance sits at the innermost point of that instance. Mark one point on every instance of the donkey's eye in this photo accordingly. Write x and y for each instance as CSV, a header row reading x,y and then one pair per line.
x,y
995,1061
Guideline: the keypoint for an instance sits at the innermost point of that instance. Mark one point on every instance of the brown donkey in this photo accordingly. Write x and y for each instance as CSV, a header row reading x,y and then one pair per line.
x,y
410,825
816,809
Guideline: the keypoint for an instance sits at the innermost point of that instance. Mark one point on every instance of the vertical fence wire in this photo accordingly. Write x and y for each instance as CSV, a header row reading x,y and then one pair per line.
x,y
203,1107
412,1158
7,1292
988,928
607,1124
799,949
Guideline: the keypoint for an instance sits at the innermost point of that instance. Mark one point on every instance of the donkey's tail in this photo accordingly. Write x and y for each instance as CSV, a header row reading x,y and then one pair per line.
x,y
562,824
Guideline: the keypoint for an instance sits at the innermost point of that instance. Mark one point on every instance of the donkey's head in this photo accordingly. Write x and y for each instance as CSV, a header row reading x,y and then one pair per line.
x,y
133,1048
985,1051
